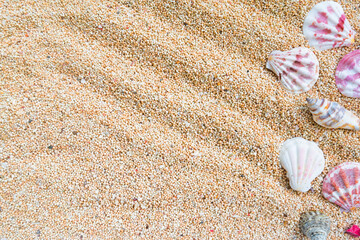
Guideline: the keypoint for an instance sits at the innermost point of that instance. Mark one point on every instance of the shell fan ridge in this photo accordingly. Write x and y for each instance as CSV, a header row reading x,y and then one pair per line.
x,y
297,69
347,75
303,161
342,186
326,26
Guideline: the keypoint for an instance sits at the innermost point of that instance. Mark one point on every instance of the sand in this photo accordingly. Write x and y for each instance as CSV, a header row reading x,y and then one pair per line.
x,y
158,120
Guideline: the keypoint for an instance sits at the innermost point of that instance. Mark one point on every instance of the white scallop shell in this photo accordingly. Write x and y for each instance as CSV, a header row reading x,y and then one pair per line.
x,y
303,161
326,26
298,68
332,115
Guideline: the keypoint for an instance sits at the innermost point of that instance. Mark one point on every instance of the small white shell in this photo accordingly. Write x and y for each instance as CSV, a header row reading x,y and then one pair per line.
x,y
326,26
303,161
298,68
332,115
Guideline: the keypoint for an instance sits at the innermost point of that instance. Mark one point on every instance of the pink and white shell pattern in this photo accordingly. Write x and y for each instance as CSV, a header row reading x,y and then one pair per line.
x,y
326,26
298,68
342,186
347,75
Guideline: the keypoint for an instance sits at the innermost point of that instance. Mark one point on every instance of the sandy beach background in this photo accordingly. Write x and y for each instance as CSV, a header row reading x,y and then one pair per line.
x,y
157,119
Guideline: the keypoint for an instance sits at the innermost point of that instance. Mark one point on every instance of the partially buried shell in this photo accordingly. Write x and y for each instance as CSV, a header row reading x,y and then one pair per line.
x,y
326,26
342,186
315,225
347,75
298,68
303,161
332,115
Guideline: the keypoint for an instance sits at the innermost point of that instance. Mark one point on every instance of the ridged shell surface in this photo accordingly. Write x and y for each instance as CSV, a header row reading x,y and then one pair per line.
x,y
326,26
303,161
315,225
347,75
342,186
298,68
332,115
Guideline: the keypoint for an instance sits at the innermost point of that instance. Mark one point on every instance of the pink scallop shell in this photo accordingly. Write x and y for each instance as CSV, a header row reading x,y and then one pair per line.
x,y
342,186
326,26
347,74
298,68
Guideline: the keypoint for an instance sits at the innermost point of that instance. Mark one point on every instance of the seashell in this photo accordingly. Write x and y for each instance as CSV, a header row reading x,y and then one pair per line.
x,y
315,225
332,115
347,75
298,68
303,161
342,186
326,26
354,231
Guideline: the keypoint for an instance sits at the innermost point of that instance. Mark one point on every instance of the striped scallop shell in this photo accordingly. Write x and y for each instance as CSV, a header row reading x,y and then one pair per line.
x,y
303,161
315,225
298,68
348,75
326,26
342,186
332,115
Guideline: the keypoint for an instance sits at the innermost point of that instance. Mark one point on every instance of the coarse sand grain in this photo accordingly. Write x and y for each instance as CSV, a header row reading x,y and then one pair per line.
x,y
157,119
